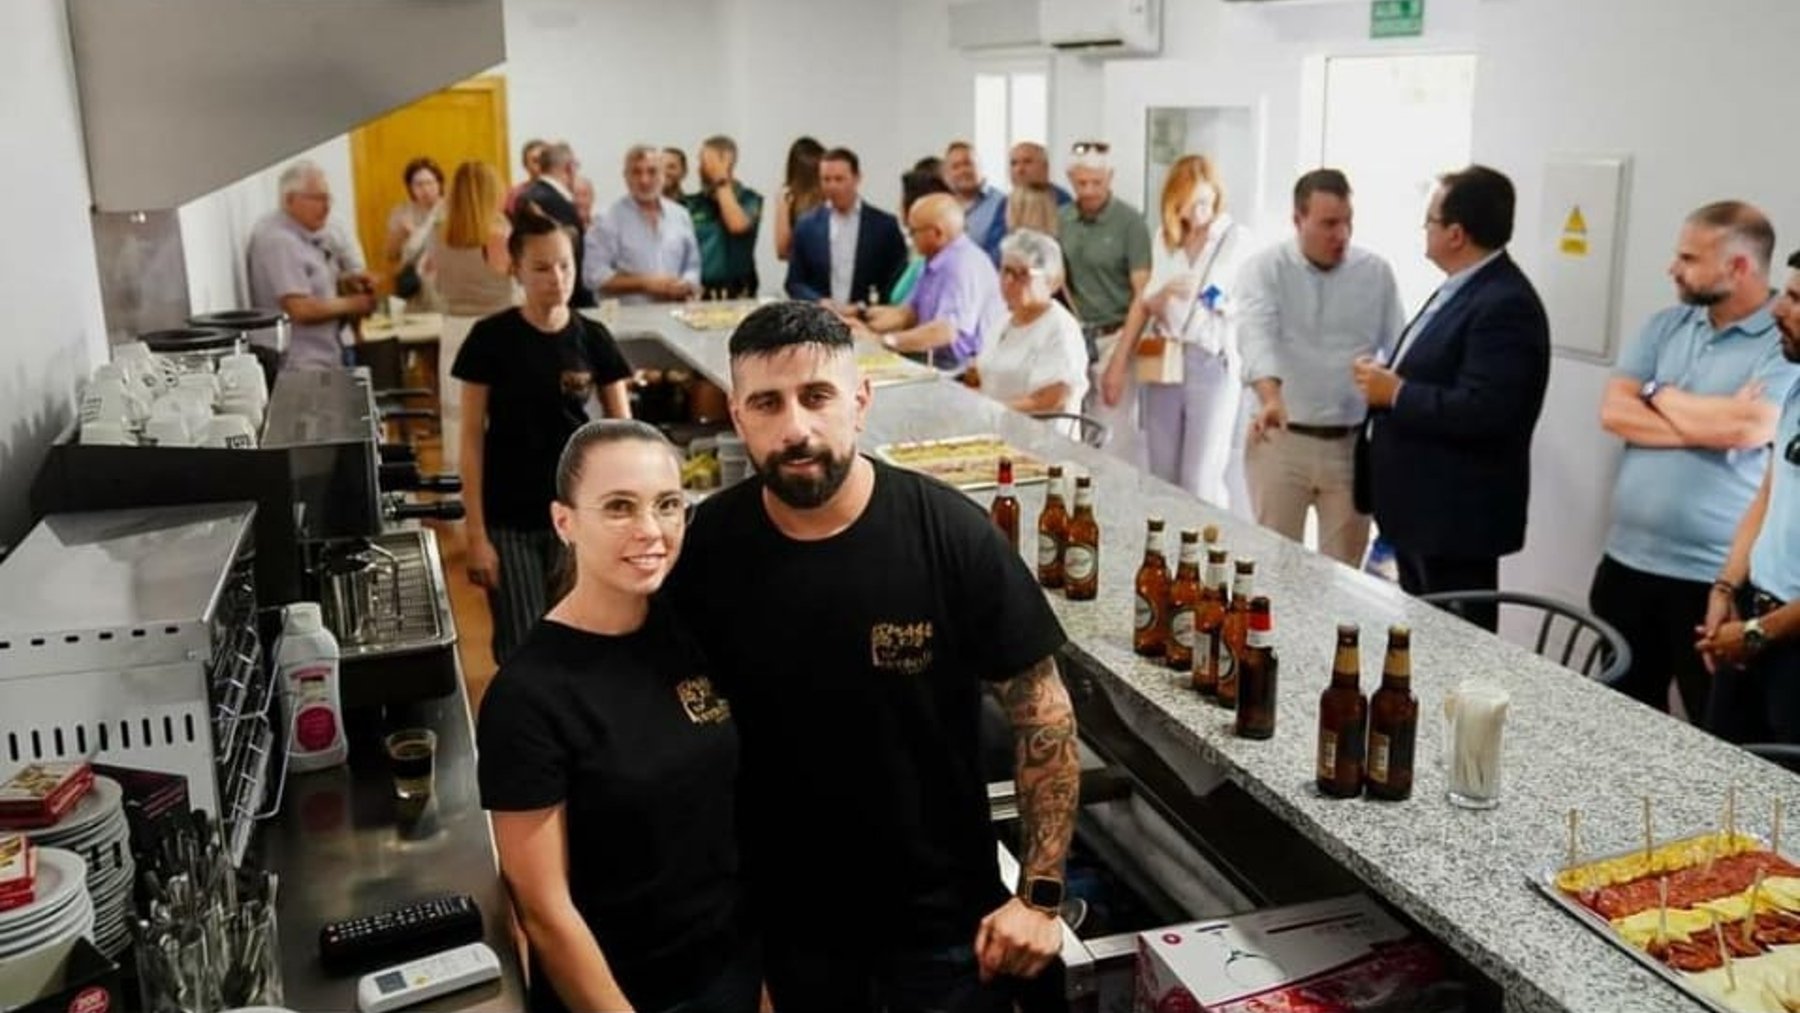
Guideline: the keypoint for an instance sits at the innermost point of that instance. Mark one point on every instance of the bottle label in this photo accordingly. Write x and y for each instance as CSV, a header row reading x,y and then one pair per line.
x,y
1328,749
1049,550
1260,638
1146,613
315,728
1190,553
1379,749
1227,665
1078,562
1181,627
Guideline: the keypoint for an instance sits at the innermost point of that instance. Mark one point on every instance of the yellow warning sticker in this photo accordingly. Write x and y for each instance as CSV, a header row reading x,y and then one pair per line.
x,y
1574,234
1576,224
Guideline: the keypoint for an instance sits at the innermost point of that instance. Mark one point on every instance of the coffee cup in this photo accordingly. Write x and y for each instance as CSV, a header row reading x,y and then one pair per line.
x,y
169,431
231,432
105,403
108,434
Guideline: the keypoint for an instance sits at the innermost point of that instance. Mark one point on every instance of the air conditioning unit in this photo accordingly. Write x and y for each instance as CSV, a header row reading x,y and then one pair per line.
x,y
1103,27
996,24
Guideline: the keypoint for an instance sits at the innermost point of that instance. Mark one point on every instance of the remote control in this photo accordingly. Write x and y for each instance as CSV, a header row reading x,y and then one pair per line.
x,y
426,978
358,944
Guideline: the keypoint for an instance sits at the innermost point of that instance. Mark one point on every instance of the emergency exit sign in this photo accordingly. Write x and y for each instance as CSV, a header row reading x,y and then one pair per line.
x,y
1390,19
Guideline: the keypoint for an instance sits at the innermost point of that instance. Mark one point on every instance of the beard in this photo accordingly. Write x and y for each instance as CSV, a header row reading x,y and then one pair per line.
x,y
1697,297
805,492
1790,346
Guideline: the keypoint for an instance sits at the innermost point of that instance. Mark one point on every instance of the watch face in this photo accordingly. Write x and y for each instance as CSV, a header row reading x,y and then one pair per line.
x,y
1044,893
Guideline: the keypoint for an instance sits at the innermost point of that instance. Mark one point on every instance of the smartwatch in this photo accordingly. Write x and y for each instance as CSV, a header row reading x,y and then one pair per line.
x,y
1649,390
1043,893
1754,637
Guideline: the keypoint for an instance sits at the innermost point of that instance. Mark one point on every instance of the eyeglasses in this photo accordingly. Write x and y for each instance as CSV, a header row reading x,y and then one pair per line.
x,y
1089,148
1013,272
1793,450
669,512
1431,220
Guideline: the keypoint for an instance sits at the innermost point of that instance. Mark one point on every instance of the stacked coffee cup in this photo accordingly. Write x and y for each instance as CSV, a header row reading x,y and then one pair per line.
x,y
139,399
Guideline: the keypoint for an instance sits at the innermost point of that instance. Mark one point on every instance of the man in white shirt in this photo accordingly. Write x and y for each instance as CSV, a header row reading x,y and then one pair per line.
x,y
642,248
1307,309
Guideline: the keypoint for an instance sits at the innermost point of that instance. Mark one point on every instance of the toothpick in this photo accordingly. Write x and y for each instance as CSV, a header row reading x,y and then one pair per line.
x,y
1730,817
1574,836
1662,910
1725,954
1750,916
1775,831
1649,838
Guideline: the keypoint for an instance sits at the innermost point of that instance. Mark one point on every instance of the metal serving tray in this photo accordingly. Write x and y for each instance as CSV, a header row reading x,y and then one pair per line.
x,y
1545,881
1030,468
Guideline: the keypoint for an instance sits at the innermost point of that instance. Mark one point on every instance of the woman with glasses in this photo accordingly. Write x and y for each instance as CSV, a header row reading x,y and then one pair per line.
x,y
1039,362
1190,407
608,762
530,376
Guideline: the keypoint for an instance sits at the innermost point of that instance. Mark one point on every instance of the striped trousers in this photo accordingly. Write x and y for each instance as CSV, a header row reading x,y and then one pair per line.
x,y
528,563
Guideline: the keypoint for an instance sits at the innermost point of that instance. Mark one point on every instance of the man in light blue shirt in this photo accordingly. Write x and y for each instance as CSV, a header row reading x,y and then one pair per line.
x,y
1695,398
1306,309
984,208
642,249
1751,636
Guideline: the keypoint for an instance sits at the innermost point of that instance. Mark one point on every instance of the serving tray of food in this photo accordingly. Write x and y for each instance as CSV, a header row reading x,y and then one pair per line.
x,y
715,316
967,462
1717,914
886,369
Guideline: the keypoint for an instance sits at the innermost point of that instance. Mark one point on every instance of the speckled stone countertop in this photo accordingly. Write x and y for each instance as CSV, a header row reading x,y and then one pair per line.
x,y
1462,875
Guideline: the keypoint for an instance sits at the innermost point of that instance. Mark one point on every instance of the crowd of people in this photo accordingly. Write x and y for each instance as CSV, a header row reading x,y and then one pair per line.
x,y
1279,377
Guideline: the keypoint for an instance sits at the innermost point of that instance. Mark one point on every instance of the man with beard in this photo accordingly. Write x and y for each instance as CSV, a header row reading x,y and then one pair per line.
x,y
1751,636
1695,400
852,612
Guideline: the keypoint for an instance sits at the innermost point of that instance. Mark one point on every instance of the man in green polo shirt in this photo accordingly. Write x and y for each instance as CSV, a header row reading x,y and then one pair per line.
x,y
1106,244
726,214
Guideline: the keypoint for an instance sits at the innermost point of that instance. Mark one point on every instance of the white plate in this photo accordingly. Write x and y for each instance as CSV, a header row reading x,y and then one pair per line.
x,y
78,920
111,828
61,876
101,800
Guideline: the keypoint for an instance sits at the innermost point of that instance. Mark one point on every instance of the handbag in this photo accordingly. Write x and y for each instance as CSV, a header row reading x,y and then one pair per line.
x,y
1159,357
407,284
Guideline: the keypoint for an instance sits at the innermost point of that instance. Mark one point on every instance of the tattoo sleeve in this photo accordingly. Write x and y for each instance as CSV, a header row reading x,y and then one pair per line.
x,y
1047,771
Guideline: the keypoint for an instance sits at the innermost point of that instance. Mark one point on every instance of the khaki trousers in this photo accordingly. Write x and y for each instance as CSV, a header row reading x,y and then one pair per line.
x,y
1290,472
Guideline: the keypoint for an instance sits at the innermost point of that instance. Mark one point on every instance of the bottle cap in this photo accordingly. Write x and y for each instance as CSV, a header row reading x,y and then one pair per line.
x,y
304,617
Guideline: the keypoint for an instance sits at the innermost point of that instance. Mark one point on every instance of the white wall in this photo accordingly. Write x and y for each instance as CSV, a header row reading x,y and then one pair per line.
x,y
48,280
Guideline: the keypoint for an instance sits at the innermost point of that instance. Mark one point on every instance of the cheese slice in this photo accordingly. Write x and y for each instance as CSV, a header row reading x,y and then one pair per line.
x,y
1639,929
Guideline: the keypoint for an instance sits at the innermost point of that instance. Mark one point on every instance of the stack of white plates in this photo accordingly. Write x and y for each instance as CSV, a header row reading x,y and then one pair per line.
x,y
61,911
96,829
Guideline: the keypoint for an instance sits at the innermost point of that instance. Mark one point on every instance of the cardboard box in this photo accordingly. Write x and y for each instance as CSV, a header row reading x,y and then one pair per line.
x,y
70,979
1333,956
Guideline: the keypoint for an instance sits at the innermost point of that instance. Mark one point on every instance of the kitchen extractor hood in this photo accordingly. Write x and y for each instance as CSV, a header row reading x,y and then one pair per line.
x,y
181,97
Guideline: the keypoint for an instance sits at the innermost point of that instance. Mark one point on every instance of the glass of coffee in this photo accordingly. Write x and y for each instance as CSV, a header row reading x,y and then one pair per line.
x,y
412,753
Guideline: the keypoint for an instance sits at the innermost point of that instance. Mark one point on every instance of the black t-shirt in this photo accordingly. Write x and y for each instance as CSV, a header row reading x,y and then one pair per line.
x,y
854,667
630,736
539,389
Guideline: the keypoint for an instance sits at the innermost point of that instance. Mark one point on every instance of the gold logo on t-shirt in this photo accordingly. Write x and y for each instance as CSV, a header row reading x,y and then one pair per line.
x,y
703,704
901,647
577,384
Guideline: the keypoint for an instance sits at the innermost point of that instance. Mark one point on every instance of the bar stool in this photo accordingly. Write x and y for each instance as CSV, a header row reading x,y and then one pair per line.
x,y
1606,657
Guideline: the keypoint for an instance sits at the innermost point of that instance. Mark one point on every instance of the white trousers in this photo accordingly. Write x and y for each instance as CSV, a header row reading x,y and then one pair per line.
x,y
1194,430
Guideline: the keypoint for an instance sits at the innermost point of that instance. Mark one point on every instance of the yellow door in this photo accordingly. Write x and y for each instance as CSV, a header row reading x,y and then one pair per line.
x,y
463,122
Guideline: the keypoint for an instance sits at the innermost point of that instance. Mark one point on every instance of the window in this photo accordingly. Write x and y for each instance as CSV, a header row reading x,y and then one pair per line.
x,y
1392,124
1009,107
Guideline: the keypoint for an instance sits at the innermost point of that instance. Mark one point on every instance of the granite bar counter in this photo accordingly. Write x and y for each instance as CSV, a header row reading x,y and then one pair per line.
x,y
1462,875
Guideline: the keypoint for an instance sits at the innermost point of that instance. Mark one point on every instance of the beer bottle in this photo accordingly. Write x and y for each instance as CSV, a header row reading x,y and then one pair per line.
x,y
1343,721
1081,556
1393,722
1235,633
1184,594
1150,630
1209,623
1257,676
1053,532
1005,508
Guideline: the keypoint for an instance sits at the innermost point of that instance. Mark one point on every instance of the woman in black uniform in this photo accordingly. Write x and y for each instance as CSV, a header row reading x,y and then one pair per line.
x,y
608,762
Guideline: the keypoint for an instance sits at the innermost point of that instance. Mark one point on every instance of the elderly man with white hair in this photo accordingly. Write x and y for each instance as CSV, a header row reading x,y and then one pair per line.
x,y
643,248
955,309
297,262
1038,362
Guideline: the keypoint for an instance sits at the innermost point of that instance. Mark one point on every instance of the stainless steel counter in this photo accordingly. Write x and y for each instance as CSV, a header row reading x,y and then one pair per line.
x,y
343,849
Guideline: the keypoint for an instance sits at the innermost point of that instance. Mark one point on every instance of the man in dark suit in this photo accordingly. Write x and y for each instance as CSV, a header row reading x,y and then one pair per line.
x,y
554,194
1446,461
844,249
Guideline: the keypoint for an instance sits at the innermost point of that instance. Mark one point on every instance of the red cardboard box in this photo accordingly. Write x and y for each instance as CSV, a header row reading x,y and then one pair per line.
x,y
1333,956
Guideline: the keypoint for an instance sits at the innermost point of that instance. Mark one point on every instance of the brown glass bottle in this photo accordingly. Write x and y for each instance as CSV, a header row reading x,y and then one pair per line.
x,y
1005,508
1209,623
1235,632
1081,556
1343,721
1393,723
1184,594
1052,531
1150,619
1258,680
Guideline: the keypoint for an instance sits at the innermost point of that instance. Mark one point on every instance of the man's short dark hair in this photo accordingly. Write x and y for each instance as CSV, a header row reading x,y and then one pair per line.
x,y
1794,260
1329,181
678,153
1744,223
771,328
844,155
918,183
719,142
555,157
1481,200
